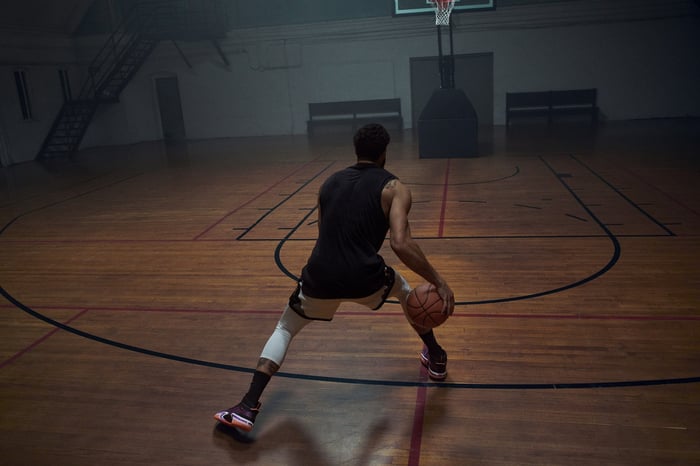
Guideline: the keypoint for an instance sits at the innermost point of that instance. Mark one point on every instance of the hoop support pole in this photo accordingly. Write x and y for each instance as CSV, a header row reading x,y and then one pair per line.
x,y
441,58
452,58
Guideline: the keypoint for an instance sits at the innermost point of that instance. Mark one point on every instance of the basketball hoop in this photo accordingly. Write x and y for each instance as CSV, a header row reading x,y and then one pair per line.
x,y
443,8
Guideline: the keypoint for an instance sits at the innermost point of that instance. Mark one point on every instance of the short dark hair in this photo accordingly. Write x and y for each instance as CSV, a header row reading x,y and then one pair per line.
x,y
371,141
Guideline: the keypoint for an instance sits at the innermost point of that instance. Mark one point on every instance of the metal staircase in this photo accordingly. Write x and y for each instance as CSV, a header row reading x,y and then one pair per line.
x,y
125,51
68,128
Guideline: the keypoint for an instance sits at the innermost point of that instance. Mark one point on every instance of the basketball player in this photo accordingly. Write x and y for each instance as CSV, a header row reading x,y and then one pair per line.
x,y
356,207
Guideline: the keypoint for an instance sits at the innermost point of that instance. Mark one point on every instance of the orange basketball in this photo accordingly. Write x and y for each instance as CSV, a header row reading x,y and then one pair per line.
x,y
424,306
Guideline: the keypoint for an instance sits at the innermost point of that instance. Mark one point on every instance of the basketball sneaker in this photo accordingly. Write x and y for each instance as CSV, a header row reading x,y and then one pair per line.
x,y
437,367
240,416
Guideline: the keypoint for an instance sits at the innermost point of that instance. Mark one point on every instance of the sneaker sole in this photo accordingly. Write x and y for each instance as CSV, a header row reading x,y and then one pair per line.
x,y
236,422
433,375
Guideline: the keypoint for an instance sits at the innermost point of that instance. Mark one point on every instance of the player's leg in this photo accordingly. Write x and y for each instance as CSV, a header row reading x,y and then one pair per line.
x,y
243,415
432,356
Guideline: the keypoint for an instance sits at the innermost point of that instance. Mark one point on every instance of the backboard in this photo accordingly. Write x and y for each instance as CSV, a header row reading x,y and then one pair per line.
x,y
410,7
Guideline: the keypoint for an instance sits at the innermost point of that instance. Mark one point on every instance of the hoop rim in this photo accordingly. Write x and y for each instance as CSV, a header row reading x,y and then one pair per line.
x,y
442,4
443,10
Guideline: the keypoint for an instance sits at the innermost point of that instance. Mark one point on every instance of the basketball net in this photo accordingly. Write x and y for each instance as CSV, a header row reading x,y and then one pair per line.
x,y
443,8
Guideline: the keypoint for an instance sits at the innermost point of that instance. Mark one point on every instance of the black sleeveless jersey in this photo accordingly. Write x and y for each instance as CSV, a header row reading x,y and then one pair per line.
x,y
345,262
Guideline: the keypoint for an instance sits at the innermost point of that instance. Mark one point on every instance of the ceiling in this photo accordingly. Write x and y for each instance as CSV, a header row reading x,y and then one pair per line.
x,y
64,16
42,16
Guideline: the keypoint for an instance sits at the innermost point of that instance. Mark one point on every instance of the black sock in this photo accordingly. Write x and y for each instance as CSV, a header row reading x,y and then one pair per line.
x,y
434,349
258,384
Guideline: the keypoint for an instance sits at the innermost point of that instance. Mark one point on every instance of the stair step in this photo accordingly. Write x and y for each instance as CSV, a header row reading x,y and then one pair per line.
x,y
111,78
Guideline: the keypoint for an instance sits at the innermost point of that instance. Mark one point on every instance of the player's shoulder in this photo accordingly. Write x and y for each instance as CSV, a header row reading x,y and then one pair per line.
x,y
392,184
394,188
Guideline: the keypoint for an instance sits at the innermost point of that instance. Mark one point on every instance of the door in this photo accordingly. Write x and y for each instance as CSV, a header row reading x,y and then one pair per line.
x,y
171,118
473,75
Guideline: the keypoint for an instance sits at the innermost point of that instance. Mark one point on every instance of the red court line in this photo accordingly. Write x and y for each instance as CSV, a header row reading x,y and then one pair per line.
x,y
443,209
385,313
578,317
110,241
211,227
188,311
39,341
157,310
418,419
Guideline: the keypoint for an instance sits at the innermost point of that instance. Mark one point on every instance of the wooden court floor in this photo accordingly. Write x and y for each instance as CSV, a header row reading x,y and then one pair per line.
x,y
139,284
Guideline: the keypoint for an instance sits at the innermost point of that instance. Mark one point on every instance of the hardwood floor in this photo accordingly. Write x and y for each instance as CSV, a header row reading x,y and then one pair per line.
x,y
141,282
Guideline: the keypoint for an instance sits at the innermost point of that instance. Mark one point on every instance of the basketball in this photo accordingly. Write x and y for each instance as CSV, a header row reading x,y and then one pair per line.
x,y
424,306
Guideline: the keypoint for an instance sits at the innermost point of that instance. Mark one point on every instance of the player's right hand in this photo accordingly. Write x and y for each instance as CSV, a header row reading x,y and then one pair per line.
x,y
448,298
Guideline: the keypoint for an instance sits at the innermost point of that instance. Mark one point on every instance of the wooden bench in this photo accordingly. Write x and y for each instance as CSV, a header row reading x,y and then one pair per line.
x,y
552,104
355,111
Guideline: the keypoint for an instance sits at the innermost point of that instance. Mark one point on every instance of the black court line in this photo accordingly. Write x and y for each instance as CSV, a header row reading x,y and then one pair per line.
x,y
603,270
254,198
659,190
525,206
278,249
357,381
607,267
269,211
287,197
577,218
70,198
623,196
68,187
348,380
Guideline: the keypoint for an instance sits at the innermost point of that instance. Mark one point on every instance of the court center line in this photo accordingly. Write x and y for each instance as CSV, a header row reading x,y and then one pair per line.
x,y
418,419
443,209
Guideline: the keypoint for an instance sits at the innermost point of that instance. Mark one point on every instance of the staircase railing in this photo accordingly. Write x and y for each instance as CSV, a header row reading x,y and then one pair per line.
x,y
125,50
118,43
159,20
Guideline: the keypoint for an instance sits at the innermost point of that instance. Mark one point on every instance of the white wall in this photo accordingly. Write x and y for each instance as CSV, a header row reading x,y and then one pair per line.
x,y
40,57
642,69
643,59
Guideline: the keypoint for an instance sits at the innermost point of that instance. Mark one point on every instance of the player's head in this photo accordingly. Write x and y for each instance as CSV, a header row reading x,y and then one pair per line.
x,y
370,142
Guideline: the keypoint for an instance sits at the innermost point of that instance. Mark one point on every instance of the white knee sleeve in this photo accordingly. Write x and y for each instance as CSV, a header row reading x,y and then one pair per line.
x,y
288,326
